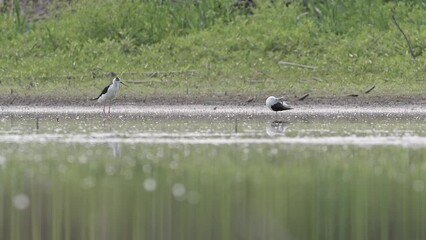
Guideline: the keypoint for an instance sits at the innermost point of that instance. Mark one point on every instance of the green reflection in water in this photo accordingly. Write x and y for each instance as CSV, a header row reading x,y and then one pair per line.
x,y
237,191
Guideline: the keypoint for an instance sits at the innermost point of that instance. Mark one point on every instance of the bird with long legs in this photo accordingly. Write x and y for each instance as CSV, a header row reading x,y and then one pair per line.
x,y
109,93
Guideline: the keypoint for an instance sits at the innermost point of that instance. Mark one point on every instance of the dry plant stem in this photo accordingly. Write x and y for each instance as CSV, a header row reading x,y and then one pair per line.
x,y
405,36
296,65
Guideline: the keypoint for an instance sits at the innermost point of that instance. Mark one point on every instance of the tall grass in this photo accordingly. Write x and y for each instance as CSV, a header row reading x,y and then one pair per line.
x,y
148,22
346,17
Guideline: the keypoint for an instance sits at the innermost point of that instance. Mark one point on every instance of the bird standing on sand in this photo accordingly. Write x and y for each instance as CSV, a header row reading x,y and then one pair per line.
x,y
109,92
277,104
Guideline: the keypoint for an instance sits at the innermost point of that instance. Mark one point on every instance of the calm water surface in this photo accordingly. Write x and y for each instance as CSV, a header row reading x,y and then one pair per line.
x,y
212,173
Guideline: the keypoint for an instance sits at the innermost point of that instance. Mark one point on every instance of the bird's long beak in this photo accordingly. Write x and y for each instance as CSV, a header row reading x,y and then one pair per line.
x,y
124,84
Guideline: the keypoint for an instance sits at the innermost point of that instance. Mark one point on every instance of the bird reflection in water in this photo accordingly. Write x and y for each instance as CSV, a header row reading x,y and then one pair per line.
x,y
276,128
115,148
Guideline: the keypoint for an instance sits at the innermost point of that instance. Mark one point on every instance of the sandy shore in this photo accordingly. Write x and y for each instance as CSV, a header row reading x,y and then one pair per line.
x,y
216,100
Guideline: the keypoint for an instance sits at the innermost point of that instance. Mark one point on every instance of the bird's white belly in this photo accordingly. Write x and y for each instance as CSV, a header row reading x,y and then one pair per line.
x,y
109,95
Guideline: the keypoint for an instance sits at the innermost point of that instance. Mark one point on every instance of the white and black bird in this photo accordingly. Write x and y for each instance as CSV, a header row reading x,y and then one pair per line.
x,y
109,93
277,104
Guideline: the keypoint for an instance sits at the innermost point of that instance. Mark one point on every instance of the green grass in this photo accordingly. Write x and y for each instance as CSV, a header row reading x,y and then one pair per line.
x,y
354,45
233,191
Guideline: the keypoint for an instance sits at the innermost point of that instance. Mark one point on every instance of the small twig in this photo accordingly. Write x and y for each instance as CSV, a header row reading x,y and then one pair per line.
x,y
296,65
13,100
405,36
157,74
255,81
303,97
370,89
140,81
353,95
302,15
374,41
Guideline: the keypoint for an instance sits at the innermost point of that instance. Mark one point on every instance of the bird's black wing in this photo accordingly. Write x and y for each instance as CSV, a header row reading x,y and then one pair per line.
x,y
279,107
102,93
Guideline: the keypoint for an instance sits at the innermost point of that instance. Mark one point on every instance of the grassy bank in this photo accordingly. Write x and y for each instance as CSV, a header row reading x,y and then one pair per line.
x,y
213,47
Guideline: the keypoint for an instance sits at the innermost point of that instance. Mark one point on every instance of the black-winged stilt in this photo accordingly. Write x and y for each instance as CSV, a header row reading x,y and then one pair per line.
x,y
109,92
277,104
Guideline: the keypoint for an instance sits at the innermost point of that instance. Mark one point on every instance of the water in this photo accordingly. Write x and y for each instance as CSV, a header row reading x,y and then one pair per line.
x,y
200,172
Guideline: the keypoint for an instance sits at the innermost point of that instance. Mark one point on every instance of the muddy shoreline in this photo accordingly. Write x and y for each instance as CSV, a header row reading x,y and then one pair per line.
x,y
216,100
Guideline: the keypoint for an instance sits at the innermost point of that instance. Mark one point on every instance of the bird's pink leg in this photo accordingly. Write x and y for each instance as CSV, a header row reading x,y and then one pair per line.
x,y
104,106
109,110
